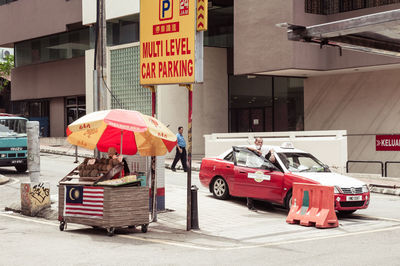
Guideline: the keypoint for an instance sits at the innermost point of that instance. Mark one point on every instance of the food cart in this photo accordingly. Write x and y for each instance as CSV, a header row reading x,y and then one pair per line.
x,y
100,201
93,194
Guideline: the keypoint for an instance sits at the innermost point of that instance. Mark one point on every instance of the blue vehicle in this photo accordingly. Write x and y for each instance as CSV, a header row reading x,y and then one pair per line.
x,y
13,142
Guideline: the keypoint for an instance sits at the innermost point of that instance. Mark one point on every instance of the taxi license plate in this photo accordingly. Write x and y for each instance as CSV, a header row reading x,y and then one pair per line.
x,y
353,198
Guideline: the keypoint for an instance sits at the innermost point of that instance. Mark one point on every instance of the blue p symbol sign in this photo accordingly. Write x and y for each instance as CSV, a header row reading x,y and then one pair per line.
x,y
165,9
165,6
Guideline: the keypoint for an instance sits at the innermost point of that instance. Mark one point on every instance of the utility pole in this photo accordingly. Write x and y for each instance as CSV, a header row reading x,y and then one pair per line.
x,y
100,57
32,130
35,189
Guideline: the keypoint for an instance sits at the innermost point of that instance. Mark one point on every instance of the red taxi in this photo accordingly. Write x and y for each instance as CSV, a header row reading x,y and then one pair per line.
x,y
240,172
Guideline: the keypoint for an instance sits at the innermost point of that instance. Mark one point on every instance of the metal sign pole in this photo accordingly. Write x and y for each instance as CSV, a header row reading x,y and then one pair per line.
x,y
153,162
189,161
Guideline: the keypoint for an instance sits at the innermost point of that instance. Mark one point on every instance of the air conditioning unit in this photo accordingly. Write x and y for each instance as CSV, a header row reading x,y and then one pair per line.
x,y
4,54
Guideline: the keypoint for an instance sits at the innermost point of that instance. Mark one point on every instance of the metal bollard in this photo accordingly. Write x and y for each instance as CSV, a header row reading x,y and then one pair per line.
x,y
194,210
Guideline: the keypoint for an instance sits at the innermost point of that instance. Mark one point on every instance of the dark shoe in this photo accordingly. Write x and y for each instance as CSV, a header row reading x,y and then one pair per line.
x,y
173,169
253,209
184,170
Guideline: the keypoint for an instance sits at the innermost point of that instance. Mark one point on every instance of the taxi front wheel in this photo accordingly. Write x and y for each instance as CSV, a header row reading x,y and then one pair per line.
x,y
220,188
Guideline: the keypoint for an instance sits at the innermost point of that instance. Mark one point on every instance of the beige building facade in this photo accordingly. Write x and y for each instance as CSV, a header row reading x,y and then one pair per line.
x,y
356,91
255,79
49,42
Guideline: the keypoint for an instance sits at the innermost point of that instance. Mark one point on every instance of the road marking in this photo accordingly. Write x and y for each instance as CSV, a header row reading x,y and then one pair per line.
x,y
171,243
378,218
10,182
154,240
14,181
315,238
194,246
27,219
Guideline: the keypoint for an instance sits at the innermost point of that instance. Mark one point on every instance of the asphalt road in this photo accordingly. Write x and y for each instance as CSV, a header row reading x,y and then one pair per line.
x,y
371,237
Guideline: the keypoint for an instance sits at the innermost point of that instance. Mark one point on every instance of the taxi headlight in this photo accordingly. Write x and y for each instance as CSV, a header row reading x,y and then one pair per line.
x,y
337,190
365,189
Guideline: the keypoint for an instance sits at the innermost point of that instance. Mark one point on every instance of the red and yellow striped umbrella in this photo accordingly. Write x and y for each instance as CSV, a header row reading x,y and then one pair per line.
x,y
137,133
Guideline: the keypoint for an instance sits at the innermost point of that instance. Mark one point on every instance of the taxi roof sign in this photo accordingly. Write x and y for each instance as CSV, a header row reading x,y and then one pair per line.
x,y
287,145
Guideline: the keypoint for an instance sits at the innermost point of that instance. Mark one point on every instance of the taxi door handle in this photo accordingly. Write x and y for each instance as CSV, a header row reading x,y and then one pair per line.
x,y
242,172
228,166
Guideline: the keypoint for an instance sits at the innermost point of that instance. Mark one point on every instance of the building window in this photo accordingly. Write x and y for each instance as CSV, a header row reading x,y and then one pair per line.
x,y
327,7
36,110
50,48
265,104
3,2
75,107
220,26
123,31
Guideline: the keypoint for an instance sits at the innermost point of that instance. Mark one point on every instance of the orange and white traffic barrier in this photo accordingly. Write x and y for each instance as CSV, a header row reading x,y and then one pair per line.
x,y
312,205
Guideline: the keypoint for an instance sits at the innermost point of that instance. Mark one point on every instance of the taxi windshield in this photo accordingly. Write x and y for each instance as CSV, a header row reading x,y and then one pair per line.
x,y
11,127
302,162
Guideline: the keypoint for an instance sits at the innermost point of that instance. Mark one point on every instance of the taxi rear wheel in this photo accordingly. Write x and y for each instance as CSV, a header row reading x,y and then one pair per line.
x,y
220,188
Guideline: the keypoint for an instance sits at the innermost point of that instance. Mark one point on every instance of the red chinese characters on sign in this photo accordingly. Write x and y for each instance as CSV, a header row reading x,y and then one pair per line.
x,y
184,7
387,142
166,28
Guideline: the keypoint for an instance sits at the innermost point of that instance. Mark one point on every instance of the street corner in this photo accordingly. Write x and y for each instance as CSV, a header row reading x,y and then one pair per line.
x,y
3,179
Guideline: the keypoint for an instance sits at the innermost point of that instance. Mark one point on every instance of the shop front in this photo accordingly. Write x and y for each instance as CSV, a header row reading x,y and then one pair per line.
x,y
265,104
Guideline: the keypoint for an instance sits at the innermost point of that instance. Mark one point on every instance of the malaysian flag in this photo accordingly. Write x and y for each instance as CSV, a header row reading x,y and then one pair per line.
x,y
84,201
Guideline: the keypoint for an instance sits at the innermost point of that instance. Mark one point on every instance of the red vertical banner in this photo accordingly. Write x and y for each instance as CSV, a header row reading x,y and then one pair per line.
x,y
202,15
153,103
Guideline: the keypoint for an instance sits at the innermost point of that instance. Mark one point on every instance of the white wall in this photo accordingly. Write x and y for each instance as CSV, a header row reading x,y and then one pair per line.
x,y
210,102
114,9
328,146
364,104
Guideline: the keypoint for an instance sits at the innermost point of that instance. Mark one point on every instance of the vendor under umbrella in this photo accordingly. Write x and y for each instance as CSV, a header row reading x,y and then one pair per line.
x,y
112,154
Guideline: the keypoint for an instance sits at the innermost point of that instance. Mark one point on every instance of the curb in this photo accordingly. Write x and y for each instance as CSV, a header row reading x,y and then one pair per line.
x,y
388,191
3,179
66,153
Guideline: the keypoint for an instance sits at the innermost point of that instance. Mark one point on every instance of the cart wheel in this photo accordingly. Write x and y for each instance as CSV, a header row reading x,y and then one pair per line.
x,y
144,228
132,227
62,225
110,231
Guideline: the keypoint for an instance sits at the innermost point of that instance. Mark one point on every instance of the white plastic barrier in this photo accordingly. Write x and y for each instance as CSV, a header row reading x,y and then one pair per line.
x,y
328,146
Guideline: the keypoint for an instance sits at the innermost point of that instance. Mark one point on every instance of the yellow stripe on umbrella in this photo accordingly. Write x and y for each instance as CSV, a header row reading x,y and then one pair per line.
x,y
88,138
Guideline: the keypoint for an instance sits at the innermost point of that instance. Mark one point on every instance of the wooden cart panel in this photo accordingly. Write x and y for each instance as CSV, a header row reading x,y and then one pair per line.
x,y
122,206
